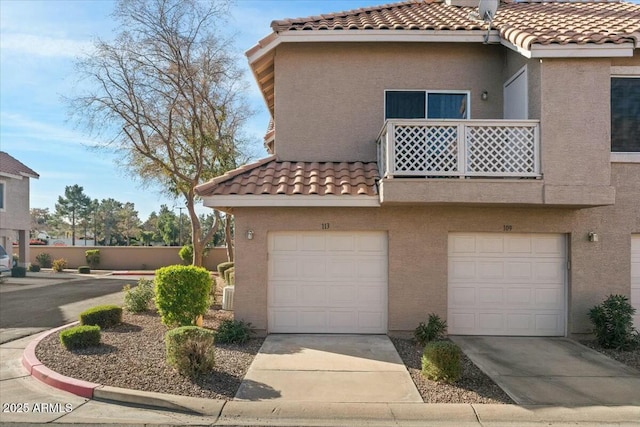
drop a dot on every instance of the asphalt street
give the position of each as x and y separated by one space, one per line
26 309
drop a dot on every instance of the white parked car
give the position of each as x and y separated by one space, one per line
5 261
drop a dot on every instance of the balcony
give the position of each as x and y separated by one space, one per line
476 162
460 149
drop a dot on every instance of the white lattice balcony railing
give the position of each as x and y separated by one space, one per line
459 148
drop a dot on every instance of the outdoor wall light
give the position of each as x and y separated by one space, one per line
249 234
593 237
484 95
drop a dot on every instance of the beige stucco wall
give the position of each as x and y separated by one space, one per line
15 216
126 257
418 249
330 97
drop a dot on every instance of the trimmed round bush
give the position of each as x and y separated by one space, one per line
441 361
104 316
34 268
138 299
182 294
223 266
81 336
84 269
190 350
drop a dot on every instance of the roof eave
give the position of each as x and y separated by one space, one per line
238 201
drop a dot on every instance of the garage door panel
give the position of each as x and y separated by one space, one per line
506 284
341 243
284 294
374 268
282 268
490 296
311 242
369 296
284 242
335 282
462 269
490 270
550 245
518 245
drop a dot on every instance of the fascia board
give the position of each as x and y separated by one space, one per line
290 201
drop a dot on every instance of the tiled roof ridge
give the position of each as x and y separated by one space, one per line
345 13
13 166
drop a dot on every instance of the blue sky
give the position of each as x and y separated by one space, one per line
38 43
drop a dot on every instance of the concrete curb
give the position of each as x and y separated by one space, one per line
43 374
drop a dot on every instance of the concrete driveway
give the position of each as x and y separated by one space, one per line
552 371
328 368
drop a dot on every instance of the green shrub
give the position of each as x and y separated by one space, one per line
441 361
190 350
44 259
137 300
432 330
232 278
613 323
18 272
186 254
182 293
59 264
93 257
34 268
224 266
227 274
234 331
104 316
84 269
80 337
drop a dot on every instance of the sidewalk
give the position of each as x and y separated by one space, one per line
42 404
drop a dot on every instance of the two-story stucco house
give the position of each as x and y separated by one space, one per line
15 220
425 161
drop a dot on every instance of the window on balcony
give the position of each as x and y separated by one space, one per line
625 114
411 104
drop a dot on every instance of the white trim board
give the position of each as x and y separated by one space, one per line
290 201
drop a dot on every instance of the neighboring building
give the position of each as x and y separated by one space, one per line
15 220
422 162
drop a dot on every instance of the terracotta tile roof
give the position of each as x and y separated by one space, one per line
521 23
11 166
272 177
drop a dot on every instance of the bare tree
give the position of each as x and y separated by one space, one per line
167 96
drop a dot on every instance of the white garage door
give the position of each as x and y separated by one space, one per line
506 284
635 277
328 282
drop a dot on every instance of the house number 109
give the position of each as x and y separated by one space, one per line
507 227
325 225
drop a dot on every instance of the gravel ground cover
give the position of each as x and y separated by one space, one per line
132 355
629 358
472 387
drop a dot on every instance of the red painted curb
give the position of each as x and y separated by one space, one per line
72 385
40 372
